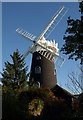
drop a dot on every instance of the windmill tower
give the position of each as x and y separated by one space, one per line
43 68
44 53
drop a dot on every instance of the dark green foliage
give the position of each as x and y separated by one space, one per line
10 106
16 107
15 73
54 108
14 80
74 37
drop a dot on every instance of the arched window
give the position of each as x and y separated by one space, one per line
38 58
37 70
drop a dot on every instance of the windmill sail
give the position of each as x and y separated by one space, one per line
52 24
41 45
25 34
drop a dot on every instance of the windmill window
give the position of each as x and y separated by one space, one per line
38 70
38 58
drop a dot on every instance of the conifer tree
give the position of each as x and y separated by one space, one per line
15 73
74 37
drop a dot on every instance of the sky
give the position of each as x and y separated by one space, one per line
34 17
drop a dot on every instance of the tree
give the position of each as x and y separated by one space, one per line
15 75
74 83
74 37
14 80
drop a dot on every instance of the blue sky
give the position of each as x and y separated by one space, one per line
40 0
33 17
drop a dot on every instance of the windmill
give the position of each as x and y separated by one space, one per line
44 53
